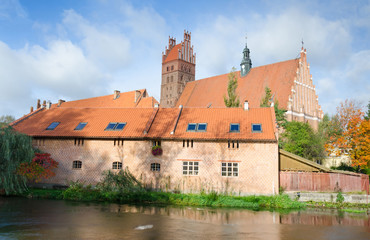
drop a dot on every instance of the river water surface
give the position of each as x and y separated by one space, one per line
22 218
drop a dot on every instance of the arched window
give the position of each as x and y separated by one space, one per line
172 67
77 165
117 165
155 167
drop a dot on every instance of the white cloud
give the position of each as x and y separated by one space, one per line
108 49
8 8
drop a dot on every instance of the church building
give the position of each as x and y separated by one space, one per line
290 83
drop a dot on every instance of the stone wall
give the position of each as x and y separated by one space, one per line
257 171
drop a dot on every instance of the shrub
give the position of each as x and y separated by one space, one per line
340 197
121 182
41 167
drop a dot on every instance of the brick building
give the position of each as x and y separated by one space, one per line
226 150
178 68
290 82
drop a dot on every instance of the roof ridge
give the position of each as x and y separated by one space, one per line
150 121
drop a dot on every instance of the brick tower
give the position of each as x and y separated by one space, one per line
178 68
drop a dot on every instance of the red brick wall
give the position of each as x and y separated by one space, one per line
258 164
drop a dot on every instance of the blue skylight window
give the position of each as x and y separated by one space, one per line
202 127
256 127
197 127
81 126
52 126
234 127
192 127
110 126
114 126
120 126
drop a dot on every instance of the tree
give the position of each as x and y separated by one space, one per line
41 167
265 101
354 135
15 148
300 139
233 99
367 116
279 113
5 120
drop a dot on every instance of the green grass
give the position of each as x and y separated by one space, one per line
82 193
338 205
353 211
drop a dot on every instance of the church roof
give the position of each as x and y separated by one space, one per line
173 54
209 92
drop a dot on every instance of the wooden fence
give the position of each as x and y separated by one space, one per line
324 182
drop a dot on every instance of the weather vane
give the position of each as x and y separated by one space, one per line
302 43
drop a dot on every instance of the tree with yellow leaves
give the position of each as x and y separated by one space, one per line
354 137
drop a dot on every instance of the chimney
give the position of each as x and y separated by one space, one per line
246 105
48 105
272 104
38 104
31 109
116 94
60 101
156 105
44 103
137 95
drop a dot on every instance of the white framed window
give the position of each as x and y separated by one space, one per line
229 169
155 167
77 165
190 168
117 165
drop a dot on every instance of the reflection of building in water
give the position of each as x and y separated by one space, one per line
326 218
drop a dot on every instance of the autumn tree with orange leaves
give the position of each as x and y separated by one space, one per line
354 137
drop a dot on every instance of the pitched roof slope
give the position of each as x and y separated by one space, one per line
130 99
279 77
162 123
218 123
173 54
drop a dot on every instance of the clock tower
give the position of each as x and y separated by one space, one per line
178 68
246 63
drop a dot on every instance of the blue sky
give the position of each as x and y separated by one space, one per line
69 49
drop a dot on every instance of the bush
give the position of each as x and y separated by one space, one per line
121 182
340 197
78 192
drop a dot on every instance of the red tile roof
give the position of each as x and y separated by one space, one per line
159 123
173 54
218 123
279 77
125 100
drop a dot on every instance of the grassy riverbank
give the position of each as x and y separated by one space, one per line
343 206
88 194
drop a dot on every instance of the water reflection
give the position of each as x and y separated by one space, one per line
47 219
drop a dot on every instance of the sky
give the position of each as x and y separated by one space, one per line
70 50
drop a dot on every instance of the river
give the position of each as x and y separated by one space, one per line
22 218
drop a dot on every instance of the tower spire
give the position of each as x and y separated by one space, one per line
246 63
